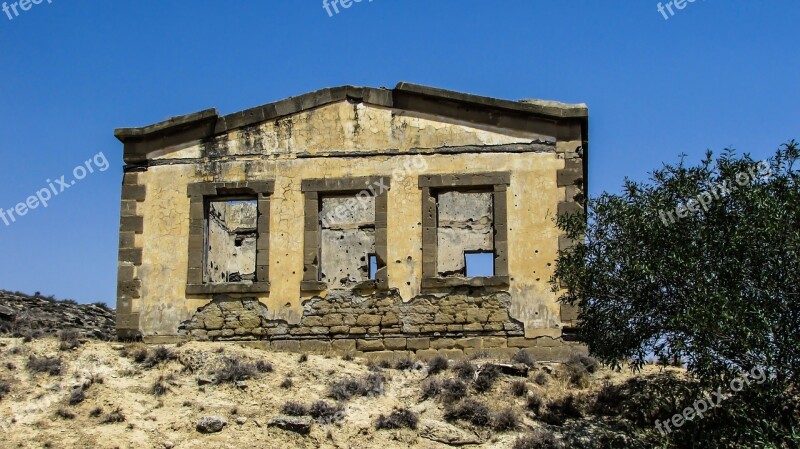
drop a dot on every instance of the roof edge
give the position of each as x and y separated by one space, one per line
204 124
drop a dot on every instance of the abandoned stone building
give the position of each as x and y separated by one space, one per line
390 222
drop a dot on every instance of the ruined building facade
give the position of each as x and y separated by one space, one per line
403 221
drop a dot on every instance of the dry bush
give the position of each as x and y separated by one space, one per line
486 379
160 387
96 412
534 402
524 357
579 369
5 388
538 439
465 370
292 408
557 412
326 413
431 388
371 385
519 388
505 420
264 367
159 355
541 378
234 370
64 414
404 364
436 365
303 358
114 417
69 339
469 410
287 383
51 366
398 419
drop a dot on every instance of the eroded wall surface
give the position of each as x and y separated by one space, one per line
347 140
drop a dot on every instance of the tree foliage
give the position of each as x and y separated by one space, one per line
700 264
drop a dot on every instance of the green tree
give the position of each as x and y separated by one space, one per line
700 264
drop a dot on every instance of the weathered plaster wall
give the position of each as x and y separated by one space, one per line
290 150
464 224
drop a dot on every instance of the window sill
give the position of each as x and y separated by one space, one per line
490 281
248 287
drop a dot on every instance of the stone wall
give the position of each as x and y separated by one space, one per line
459 324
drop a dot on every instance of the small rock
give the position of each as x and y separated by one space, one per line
168 445
211 424
241 420
242 385
204 380
118 348
442 432
297 424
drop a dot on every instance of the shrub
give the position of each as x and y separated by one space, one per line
51 366
538 439
404 364
96 412
263 367
479 355
347 357
287 383
453 390
464 370
292 408
469 410
398 419
64 414
577 373
384 364
524 357
345 389
326 413
519 388
159 355
505 420
5 388
590 364
234 370
534 402
486 379
140 355
160 387
541 378
69 339
303 358
114 417
640 268
77 396
431 388
563 408
436 365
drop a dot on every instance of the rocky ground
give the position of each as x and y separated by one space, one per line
79 393
38 316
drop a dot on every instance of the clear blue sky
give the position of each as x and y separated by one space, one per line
719 73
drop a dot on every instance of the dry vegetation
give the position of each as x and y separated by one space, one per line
107 395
